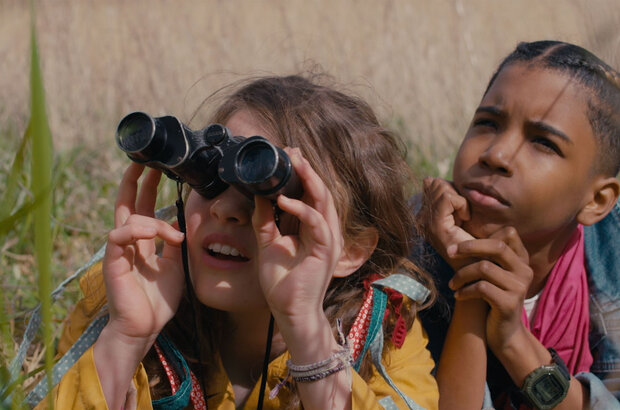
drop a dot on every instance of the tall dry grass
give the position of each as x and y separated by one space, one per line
422 63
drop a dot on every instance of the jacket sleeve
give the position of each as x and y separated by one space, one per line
80 388
600 398
409 368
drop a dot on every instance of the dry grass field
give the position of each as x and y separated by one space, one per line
422 64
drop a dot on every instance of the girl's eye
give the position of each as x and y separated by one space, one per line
547 145
485 122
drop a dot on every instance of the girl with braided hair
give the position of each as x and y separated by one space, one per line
526 239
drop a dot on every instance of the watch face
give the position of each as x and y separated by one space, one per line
548 389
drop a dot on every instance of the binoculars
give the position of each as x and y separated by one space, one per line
209 160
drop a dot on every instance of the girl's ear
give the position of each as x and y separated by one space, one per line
355 254
605 195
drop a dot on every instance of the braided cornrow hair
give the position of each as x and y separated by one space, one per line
601 81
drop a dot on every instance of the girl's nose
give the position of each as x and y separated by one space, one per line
231 206
500 155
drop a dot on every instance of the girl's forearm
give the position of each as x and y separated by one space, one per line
309 340
461 372
116 359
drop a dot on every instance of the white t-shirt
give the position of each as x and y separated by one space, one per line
530 306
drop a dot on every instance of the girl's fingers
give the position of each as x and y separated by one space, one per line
460 207
142 227
510 237
263 222
315 211
494 250
484 271
493 295
147 197
126 198
319 230
315 189
446 199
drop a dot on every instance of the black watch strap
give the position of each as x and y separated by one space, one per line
555 358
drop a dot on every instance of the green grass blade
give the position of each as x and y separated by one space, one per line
41 171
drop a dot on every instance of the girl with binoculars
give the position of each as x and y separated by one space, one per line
332 272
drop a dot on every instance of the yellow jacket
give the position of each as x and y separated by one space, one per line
409 367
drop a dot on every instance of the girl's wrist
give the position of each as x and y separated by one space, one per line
134 345
309 338
117 357
521 354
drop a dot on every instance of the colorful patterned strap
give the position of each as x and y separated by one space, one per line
359 329
373 334
370 317
404 284
183 388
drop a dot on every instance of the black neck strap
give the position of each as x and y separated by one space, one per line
193 307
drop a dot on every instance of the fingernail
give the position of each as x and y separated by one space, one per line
451 284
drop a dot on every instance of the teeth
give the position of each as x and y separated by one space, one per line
224 249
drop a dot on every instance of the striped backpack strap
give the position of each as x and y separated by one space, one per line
72 355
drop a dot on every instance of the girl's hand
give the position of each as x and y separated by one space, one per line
142 287
442 213
296 268
502 277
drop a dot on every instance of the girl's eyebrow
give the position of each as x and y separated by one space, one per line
491 110
551 130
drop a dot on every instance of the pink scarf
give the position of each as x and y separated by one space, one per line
562 317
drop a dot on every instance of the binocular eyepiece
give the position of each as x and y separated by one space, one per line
209 160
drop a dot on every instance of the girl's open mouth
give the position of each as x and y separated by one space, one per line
225 252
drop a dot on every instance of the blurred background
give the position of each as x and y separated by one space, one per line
421 64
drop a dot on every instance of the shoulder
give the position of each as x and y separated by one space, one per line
603 253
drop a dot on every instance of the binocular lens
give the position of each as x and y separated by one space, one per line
256 162
209 160
260 168
135 133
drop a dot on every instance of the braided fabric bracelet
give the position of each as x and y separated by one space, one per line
299 369
319 370
341 360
